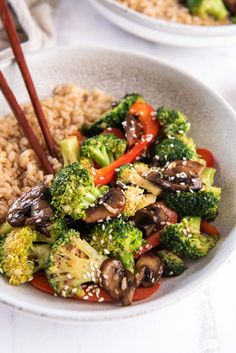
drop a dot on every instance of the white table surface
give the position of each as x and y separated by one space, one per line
204 322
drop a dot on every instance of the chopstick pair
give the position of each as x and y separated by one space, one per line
10 29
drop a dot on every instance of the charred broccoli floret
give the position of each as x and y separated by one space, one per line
170 150
136 199
173 264
184 238
113 117
127 174
205 8
103 149
72 262
55 230
174 123
73 191
203 203
117 238
70 150
20 256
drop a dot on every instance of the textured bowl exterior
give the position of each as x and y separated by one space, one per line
213 126
166 32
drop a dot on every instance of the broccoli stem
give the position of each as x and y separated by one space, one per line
208 175
70 150
40 253
5 228
194 224
127 260
101 156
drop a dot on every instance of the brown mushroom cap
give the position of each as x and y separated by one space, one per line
31 208
132 130
110 205
154 217
118 282
149 270
178 176
231 5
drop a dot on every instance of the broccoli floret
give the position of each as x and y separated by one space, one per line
136 199
72 262
203 203
20 256
127 174
103 149
170 150
73 191
117 238
141 167
113 117
70 150
5 228
205 8
173 122
173 264
55 230
184 238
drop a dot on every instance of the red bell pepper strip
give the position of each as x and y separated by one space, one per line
209 228
40 282
150 127
207 156
152 241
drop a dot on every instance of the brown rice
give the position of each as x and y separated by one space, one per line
68 108
170 10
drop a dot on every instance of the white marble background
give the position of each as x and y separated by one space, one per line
204 322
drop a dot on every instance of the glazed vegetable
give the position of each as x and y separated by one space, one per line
136 199
55 230
205 8
113 117
103 149
73 191
207 156
170 150
150 127
127 174
173 264
203 203
117 237
72 262
20 256
31 208
208 176
70 150
185 238
173 122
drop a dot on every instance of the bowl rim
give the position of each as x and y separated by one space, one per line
164 24
115 314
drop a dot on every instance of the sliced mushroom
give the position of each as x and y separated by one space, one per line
154 217
149 270
179 175
31 208
231 5
110 205
132 130
118 282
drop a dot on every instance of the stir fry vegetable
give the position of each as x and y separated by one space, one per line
129 204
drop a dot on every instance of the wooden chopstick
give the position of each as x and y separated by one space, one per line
29 134
20 59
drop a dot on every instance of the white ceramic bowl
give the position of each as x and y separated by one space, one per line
165 32
213 126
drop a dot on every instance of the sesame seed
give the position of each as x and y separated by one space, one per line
74 290
69 276
124 283
100 299
86 297
106 251
90 294
171 273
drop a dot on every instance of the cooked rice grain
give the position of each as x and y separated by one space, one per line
66 111
170 10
